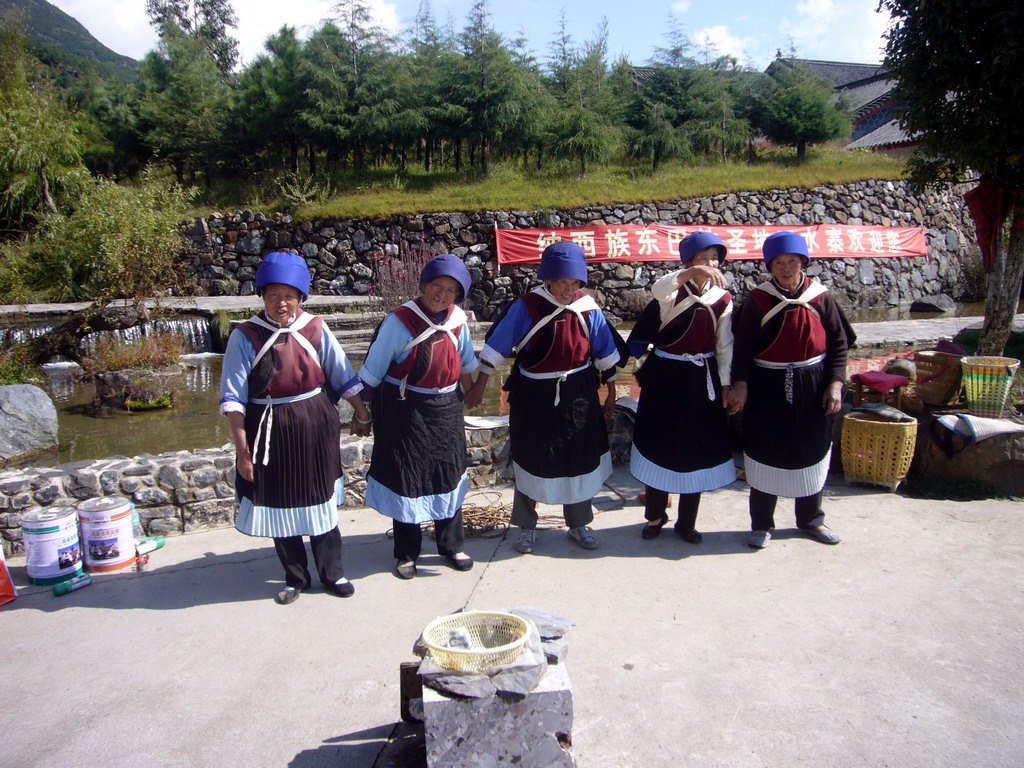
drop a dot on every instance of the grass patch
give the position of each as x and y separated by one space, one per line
383 191
148 353
15 370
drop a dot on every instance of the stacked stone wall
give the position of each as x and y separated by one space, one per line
226 250
189 491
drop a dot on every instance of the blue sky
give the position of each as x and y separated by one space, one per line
750 30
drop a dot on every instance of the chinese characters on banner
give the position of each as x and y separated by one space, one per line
660 242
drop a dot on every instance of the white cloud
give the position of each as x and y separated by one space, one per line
123 26
681 6
847 31
259 19
721 42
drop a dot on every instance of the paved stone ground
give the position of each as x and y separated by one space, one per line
899 647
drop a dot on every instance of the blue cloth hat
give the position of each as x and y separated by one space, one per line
286 268
784 242
695 242
563 259
447 265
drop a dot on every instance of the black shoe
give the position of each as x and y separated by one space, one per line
342 589
287 596
464 563
652 529
690 537
406 569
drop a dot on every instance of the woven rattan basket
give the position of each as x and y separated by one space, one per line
876 451
494 639
987 382
938 377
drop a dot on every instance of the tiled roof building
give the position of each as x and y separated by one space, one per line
867 91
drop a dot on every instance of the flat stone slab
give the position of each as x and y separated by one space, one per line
533 732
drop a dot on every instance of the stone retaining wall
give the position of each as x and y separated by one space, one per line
227 249
188 491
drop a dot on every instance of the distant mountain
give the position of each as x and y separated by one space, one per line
49 27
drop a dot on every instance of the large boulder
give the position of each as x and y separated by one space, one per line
28 423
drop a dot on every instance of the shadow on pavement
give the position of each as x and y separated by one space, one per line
395 745
240 576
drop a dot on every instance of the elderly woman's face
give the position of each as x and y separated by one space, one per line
787 269
440 293
706 258
563 288
281 302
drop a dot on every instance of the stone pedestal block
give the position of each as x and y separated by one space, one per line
534 732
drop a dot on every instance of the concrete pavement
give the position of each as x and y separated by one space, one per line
899 647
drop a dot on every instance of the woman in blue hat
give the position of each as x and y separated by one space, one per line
681 436
564 350
417 368
278 369
788 369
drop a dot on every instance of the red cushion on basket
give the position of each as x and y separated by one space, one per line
879 381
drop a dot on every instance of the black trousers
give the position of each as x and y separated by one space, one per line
449 533
656 502
291 550
524 512
762 510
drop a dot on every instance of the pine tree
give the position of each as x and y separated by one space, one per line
204 20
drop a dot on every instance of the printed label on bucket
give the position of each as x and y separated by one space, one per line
109 539
52 550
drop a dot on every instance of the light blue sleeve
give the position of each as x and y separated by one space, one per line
337 368
235 369
387 348
603 350
509 332
466 355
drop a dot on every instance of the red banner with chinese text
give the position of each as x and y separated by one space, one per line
660 242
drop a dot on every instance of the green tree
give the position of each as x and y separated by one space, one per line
270 98
489 86
958 80
715 123
40 163
432 68
652 136
582 126
205 20
345 64
113 141
579 136
797 109
184 104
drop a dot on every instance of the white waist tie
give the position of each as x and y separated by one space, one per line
560 375
697 360
268 418
788 368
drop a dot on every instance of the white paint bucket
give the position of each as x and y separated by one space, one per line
107 537
52 551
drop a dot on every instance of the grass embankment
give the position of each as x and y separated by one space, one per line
382 193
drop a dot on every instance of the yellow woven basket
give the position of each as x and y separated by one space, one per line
876 451
987 381
938 377
495 638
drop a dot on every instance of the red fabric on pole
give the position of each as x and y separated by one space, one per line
989 204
